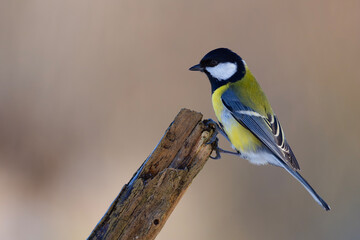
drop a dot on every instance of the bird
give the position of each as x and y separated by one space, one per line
245 116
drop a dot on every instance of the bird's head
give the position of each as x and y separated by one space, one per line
221 66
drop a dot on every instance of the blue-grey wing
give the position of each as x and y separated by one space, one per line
266 131
266 128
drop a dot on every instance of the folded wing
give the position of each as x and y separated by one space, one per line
266 128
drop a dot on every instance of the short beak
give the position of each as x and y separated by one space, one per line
197 68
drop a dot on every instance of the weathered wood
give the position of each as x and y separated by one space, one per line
145 203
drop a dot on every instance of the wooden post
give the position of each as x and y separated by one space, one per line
145 203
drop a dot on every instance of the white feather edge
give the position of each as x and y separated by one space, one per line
250 113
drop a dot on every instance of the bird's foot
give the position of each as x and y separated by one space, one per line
215 127
216 149
219 150
214 140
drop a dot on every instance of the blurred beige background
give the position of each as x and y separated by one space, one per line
87 88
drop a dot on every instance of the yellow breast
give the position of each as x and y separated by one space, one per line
241 138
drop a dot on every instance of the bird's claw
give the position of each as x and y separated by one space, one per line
213 140
216 149
215 127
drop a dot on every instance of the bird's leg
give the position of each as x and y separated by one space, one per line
214 140
237 153
219 150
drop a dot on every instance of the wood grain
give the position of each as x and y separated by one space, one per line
145 203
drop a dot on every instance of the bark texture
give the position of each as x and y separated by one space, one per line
145 203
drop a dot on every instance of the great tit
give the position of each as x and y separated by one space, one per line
245 116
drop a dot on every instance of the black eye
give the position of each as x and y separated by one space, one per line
213 63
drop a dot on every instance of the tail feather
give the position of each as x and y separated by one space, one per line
306 185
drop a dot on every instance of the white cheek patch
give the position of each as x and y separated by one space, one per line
222 71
